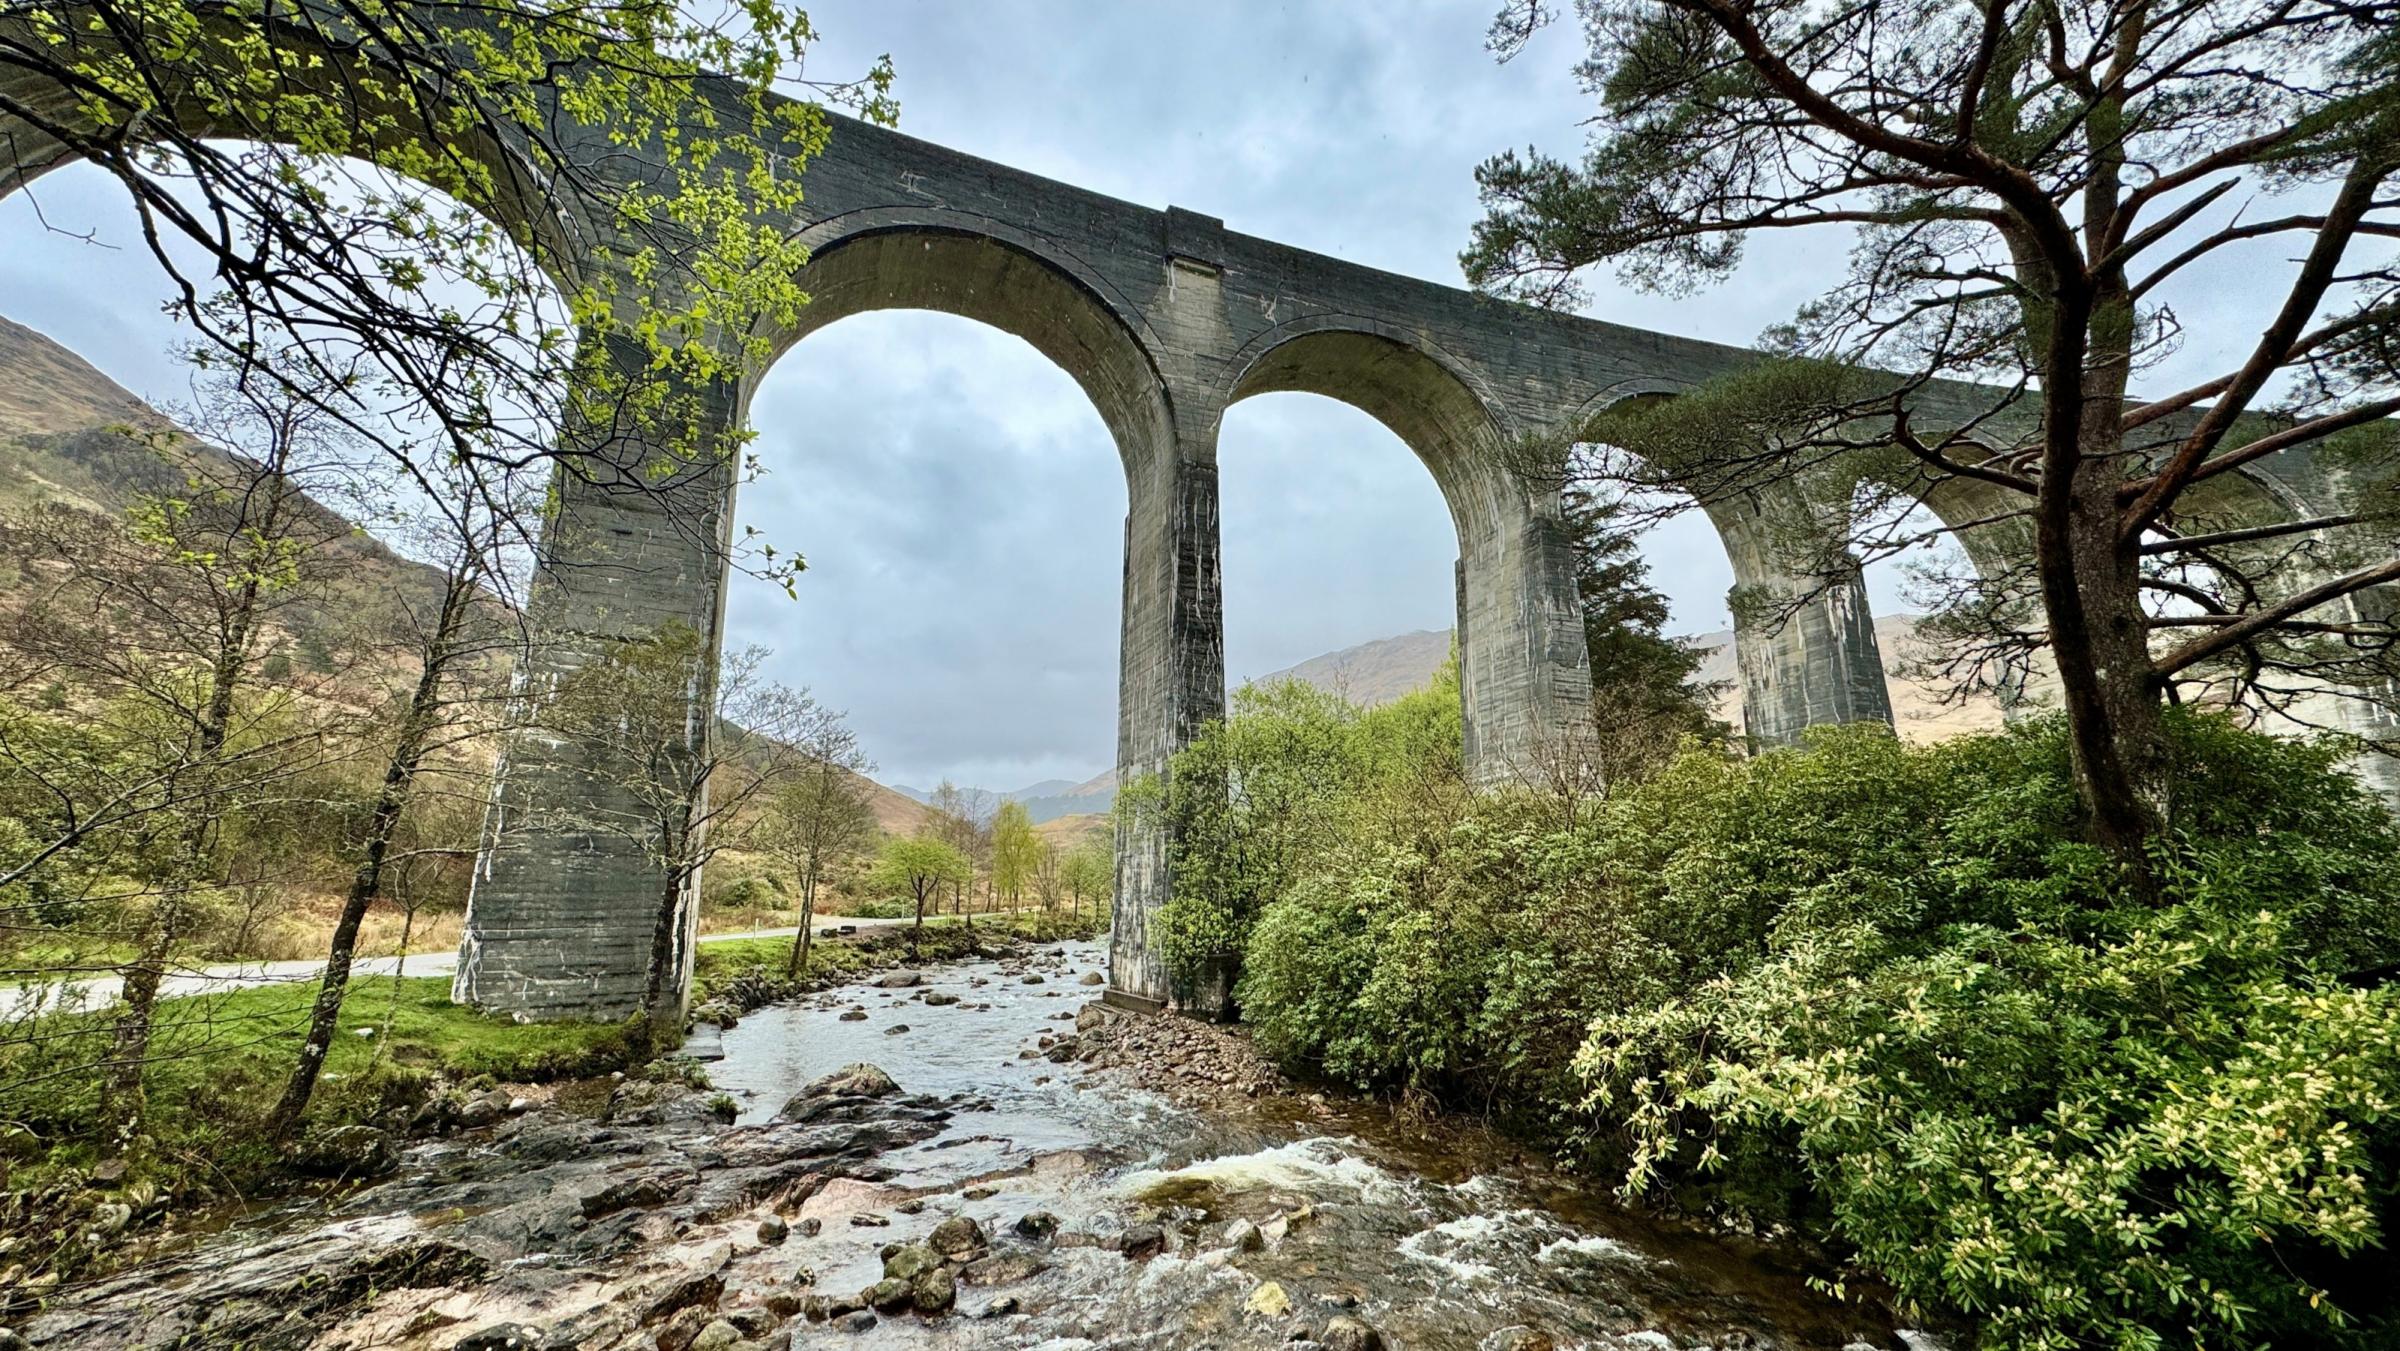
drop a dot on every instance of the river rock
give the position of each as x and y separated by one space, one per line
109 1219
887 1295
843 1095
1268 1301
895 1029
957 1238
718 1336
900 980
998 1308
856 1321
772 1230
483 1109
1243 1236
1032 979
1037 1224
1094 978
853 1015
1350 1334
1139 1242
908 1261
935 1291
347 1151
681 1331
936 999
700 1292
498 1337
1006 1267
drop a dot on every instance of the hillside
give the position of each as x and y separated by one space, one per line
72 436
1380 671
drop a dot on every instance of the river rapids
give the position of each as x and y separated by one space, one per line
1104 1215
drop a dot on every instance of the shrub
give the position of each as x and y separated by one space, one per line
1890 993
2085 1111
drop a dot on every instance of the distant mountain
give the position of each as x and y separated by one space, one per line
1045 801
1374 673
1378 672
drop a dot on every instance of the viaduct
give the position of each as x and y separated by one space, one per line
1165 319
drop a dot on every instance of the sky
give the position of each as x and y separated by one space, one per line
958 501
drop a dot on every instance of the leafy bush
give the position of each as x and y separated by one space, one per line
1889 993
872 908
1293 780
2087 1111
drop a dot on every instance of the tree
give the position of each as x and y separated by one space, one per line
163 622
447 638
676 781
405 195
2023 184
1088 870
920 865
1016 851
1049 874
821 815
962 818
1645 699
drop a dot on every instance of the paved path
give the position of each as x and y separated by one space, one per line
101 990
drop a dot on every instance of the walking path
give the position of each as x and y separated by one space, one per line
98 991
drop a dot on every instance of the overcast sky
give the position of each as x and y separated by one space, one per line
958 501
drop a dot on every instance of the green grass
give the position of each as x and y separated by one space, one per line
220 1062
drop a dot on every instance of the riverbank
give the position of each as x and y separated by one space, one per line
406 1065
1012 1175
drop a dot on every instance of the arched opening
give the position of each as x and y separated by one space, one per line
1340 557
1522 676
957 498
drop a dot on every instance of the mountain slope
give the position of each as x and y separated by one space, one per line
70 435
1377 672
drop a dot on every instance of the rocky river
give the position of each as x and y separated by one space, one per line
975 1155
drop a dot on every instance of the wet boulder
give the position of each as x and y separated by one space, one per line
773 1230
1350 1334
841 1095
853 1016
483 1109
1243 1236
1005 1267
958 1238
907 1261
1137 1243
888 1295
1094 978
899 980
718 1336
935 1291
1037 1224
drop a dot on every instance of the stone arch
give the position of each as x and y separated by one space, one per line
527 202
1804 634
977 268
1525 684
1437 406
